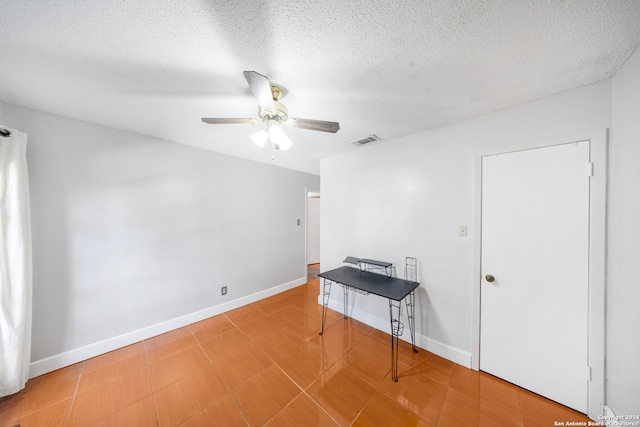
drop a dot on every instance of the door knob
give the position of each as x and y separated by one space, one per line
489 278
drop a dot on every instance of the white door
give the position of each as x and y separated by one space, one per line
535 244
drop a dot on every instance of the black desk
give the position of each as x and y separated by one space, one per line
366 282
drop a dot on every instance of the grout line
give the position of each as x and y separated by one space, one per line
321 407
446 394
75 393
228 391
153 394
285 406
273 362
365 405
303 391
520 407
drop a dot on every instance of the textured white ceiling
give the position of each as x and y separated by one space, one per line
392 68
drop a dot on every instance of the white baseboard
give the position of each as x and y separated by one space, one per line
609 418
433 346
61 360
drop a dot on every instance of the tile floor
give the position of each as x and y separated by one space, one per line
265 364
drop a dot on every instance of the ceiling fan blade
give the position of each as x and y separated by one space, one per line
224 121
261 89
320 125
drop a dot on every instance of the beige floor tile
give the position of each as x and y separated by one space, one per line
370 360
211 321
341 393
338 338
177 366
112 357
110 372
100 402
241 310
243 318
222 412
382 411
188 396
160 352
418 393
51 416
272 306
280 343
209 328
139 414
463 409
305 364
536 410
487 391
221 346
303 411
35 398
61 375
264 395
423 361
258 329
167 338
241 365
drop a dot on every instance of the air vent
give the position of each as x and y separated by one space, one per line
365 140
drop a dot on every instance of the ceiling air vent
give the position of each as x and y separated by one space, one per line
365 140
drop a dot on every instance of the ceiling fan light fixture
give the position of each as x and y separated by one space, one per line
279 138
260 137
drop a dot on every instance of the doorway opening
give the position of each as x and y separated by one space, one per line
312 233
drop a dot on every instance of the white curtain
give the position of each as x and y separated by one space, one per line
15 263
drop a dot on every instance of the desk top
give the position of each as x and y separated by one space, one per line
378 284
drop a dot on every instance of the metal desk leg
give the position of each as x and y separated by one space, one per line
410 301
346 301
396 330
326 291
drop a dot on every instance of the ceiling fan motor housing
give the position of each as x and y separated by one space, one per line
280 114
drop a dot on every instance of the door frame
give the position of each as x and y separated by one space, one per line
597 256
307 190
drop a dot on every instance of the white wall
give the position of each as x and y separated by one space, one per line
407 197
134 236
623 296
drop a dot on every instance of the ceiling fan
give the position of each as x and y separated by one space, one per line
273 113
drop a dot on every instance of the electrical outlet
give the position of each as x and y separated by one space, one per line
223 290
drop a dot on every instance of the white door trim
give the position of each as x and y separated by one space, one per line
307 190
597 256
